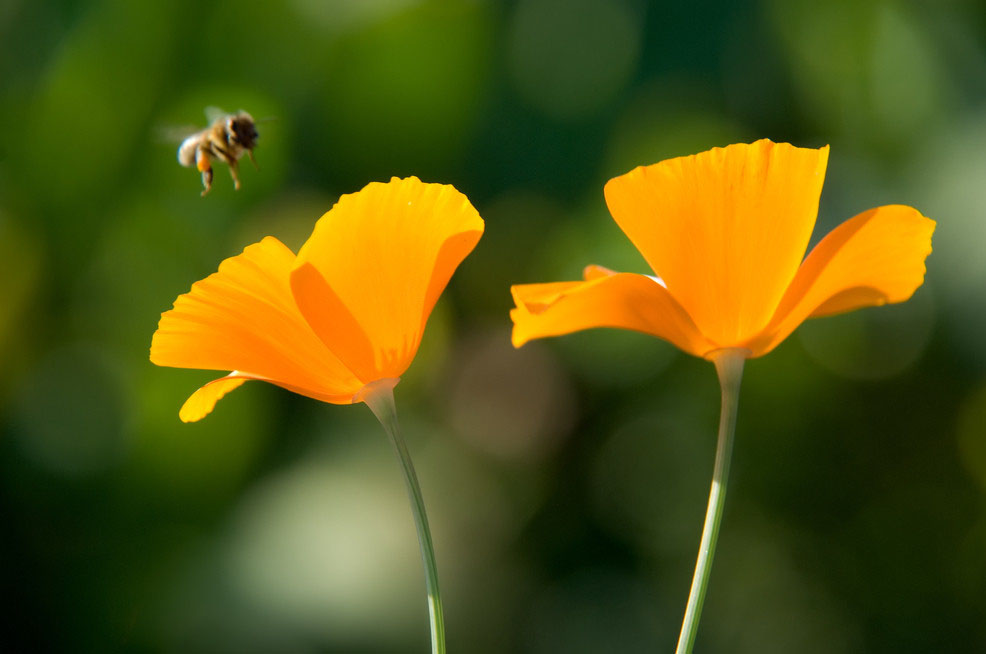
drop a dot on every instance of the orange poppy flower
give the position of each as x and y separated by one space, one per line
725 231
347 311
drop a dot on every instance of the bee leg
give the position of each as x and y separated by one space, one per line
250 152
204 163
233 173
206 181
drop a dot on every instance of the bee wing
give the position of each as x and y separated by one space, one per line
171 134
213 113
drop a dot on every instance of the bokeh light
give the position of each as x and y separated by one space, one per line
509 403
318 546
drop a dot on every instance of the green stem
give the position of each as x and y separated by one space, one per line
379 396
729 366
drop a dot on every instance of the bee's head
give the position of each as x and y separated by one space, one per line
242 129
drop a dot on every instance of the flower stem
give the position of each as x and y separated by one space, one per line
729 366
379 396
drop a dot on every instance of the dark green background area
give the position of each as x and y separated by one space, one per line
566 481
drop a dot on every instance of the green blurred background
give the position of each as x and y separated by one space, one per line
566 481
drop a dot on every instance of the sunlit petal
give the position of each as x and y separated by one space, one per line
606 299
725 229
369 276
243 318
202 401
875 258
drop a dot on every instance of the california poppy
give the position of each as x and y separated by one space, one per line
340 322
725 232
348 310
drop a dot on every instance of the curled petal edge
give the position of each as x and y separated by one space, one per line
201 403
875 258
604 299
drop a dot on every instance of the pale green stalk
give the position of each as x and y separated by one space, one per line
379 396
729 366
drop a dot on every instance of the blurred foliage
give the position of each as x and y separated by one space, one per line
567 480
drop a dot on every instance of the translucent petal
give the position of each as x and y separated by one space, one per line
725 229
874 258
243 318
606 299
202 401
371 272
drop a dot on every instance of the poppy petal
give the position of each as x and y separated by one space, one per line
606 299
371 272
202 401
874 258
725 229
243 318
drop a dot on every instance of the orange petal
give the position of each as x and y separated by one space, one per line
202 401
607 299
875 258
371 272
725 229
244 318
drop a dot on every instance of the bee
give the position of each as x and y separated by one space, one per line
226 139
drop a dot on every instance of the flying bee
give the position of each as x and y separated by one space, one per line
226 139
